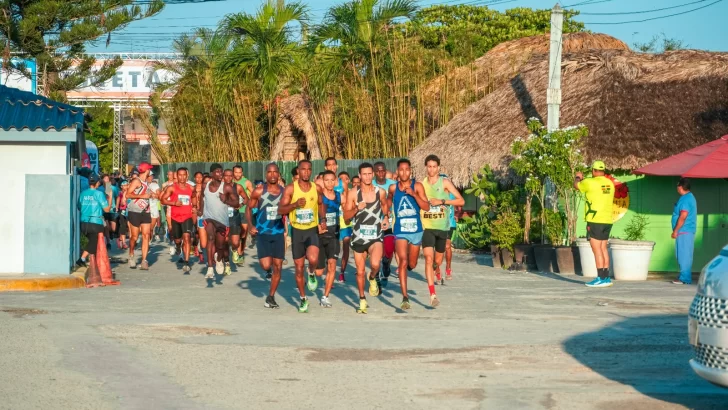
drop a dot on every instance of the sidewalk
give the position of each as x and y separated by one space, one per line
42 283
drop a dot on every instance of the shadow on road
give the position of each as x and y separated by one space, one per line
555 276
650 354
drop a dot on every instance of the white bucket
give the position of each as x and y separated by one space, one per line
588 263
631 259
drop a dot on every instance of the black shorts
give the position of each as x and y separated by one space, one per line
243 218
435 238
111 216
137 219
329 249
363 247
301 239
271 246
597 231
219 227
123 226
235 222
181 228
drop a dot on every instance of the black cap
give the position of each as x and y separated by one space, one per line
93 178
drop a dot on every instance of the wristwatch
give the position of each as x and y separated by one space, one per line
443 201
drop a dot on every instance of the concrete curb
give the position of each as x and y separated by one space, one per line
38 283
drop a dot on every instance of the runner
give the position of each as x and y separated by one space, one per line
344 229
213 207
154 204
200 183
355 182
367 208
244 187
178 198
123 221
92 204
111 216
329 239
236 215
168 213
448 245
139 214
384 182
302 201
269 229
407 198
436 220
294 174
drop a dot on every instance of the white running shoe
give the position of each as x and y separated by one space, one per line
324 302
210 273
219 267
172 250
132 262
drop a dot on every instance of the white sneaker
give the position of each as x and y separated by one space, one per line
156 238
324 302
172 250
219 267
132 262
210 273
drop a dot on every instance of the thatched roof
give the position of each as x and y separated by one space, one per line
294 128
639 108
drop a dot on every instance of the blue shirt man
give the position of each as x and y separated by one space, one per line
92 203
684 227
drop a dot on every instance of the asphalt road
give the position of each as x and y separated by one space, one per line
164 340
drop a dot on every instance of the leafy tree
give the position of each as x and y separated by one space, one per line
55 34
102 134
467 32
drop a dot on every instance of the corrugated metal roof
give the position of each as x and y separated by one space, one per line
22 109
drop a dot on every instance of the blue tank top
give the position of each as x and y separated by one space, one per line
453 222
332 215
267 219
406 211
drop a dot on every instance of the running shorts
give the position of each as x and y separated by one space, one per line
329 249
345 233
110 216
137 219
217 226
271 246
235 222
181 228
412 238
363 248
243 218
123 226
435 238
301 239
598 231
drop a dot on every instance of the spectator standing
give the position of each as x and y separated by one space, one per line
684 227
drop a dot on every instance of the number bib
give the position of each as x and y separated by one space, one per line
408 225
331 219
304 216
271 213
435 212
231 212
184 199
368 232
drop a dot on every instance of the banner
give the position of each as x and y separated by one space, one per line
15 79
92 152
134 80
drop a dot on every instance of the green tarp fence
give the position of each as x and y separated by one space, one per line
256 170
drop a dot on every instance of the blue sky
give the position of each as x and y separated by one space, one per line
705 29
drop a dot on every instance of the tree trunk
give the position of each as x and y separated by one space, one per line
527 219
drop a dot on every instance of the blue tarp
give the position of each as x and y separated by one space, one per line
22 109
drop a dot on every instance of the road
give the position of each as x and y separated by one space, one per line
499 340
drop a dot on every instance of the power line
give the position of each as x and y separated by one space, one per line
654 18
642 11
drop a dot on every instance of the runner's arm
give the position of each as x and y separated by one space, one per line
166 195
252 202
421 196
385 204
390 196
321 205
132 187
200 203
350 208
242 194
450 188
231 197
285 206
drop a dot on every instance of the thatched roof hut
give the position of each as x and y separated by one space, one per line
639 108
296 137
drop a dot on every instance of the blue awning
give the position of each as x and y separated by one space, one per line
24 110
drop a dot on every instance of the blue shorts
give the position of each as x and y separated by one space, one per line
345 233
412 238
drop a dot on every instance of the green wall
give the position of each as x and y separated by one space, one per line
655 197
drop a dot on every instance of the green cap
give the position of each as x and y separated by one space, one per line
599 165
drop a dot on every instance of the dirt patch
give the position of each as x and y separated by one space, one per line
334 355
189 330
643 307
475 395
22 312
548 402
161 332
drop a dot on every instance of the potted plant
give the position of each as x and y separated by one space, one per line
631 256
477 232
505 232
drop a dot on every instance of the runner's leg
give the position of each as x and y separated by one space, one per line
330 274
360 260
402 246
345 246
146 236
300 279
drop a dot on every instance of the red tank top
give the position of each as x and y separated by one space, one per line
184 195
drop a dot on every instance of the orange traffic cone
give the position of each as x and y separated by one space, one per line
107 277
93 280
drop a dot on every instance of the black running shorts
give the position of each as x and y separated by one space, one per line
363 248
137 219
181 228
301 239
234 222
271 246
435 238
123 226
597 231
329 249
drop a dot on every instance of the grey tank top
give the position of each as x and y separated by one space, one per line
215 209
139 205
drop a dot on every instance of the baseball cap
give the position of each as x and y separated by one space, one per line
93 178
144 167
599 165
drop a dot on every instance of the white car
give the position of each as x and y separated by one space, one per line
708 322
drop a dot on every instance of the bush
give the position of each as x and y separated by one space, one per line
506 230
635 230
475 230
554 227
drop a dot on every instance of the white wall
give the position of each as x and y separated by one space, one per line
17 160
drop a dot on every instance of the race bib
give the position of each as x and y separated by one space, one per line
271 213
231 212
304 216
331 219
368 232
408 225
184 199
435 212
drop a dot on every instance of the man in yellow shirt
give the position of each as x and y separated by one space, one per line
599 193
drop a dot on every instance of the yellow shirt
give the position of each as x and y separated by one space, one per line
599 192
306 217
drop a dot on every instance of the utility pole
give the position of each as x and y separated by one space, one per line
553 94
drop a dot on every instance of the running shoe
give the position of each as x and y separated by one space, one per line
303 308
312 283
219 267
187 268
373 286
362 306
236 257
145 265
405 305
82 263
601 283
210 273
132 262
241 261
594 283
324 302
227 270
156 238
268 274
434 301
172 250
340 279
448 274
270 302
